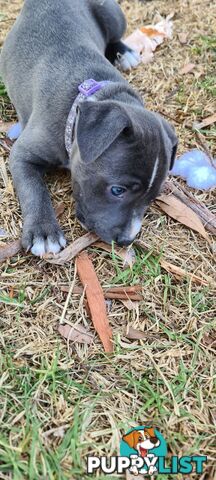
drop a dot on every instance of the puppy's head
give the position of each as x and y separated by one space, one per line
121 157
142 440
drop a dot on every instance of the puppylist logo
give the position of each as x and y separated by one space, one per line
142 452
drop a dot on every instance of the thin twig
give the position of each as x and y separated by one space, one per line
68 297
205 148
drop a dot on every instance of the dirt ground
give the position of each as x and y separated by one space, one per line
60 402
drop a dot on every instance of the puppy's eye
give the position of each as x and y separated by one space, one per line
118 191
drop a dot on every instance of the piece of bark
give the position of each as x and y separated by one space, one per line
75 333
95 298
9 250
206 216
174 207
72 250
118 293
129 290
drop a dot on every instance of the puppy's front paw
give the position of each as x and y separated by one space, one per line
43 238
128 60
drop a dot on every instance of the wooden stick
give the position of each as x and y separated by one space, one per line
118 293
205 148
96 301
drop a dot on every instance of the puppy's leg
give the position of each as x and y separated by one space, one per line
122 56
41 232
113 24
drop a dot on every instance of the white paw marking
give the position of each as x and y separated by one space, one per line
128 60
40 247
52 247
62 241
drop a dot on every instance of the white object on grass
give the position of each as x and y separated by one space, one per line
194 167
14 131
146 39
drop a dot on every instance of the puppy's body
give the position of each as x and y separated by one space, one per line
52 48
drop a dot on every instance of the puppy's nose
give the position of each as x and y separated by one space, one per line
123 241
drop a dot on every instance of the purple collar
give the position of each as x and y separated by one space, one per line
86 89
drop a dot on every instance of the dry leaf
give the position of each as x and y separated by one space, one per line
95 298
209 339
146 39
200 71
77 333
205 123
59 209
187 68
72 250
183 38
181 273
126 254
129 304
180 212
134 334
207 217
9 250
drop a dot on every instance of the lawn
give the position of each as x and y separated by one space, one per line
59 401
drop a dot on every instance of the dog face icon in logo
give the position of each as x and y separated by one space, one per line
142 440
146 443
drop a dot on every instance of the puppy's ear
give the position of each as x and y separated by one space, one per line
170 132
99 125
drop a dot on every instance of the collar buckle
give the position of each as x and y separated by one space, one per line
90 86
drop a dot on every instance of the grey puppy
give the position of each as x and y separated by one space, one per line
121 152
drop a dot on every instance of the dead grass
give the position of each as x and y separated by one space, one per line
58 404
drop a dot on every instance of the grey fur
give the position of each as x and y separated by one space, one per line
53 47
